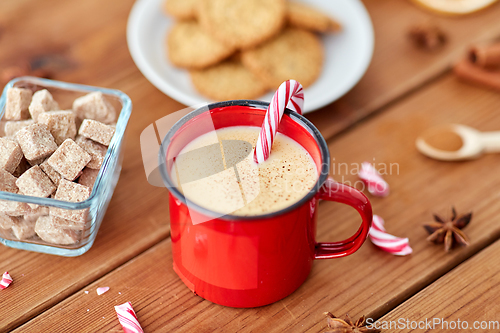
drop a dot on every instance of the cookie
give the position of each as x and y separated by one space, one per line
242 23
180 9
189 46
227 80
294 54
302 16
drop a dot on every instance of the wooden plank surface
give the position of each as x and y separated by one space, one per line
398 67
95 51
370 281
467 298
137 218
58 40
128 228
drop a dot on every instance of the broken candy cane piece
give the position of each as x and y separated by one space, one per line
6 280
128 318
102 290
375 184
389 243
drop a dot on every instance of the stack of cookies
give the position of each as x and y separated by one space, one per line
240 49
49 153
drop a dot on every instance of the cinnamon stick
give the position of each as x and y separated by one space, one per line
485 55
470 72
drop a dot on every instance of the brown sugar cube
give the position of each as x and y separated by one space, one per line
95 150
36 213
36 162
49 171
42 101
67 224
11 138
51 233
11 127
88 177
7 182
23 166
94 106
69 159
23 229
14 208
41 210
10 155
8 207
6 233
7 222
96 131
72 192
18 101
36 183
36 142
61 124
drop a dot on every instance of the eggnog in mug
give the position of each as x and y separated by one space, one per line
217 171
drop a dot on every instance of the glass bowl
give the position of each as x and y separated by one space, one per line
95 206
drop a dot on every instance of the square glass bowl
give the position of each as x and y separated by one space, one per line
95 206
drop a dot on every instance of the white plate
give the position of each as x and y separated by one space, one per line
347 54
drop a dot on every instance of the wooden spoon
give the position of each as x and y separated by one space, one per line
457 142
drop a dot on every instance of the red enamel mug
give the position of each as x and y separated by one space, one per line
250 261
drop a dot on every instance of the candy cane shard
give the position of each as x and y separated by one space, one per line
389 243
128 318
101 290
374 182
6 280
289 94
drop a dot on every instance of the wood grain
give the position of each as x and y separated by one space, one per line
370 281
95 51
137 218
56 38
469 293
398 68
92 52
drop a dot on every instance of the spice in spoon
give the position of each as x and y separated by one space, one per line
443 138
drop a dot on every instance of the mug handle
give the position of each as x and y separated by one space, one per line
333 191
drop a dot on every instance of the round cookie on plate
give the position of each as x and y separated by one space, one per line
227 80
242 23
189 46
180 9
295 53
302 16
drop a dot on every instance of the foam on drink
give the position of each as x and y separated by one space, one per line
217 172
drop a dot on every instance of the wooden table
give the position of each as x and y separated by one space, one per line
404 92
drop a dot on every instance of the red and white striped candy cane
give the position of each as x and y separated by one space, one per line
101 290
289 94
128 318
389 243
375 184
6 280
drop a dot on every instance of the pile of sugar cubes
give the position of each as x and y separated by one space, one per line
43 155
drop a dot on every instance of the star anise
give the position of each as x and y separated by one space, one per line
448 232
427 36
346 325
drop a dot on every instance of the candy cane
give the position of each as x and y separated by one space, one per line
389 243
128 319
370 176
6 280
101 290
290 95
